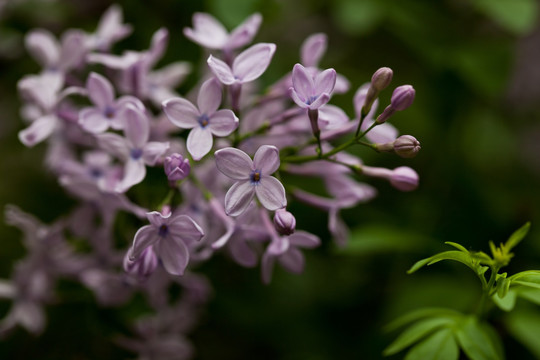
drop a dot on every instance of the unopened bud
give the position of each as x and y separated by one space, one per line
406 146
284 222
404 178
176 167
402 97
382 78
142 267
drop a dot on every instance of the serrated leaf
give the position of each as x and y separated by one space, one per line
475 341
525 327
416 332
464 258
419 314
507 302
517 236
439 346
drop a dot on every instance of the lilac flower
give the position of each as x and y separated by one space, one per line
110 30
209 33
252 177
402 178
134 149
285 250
167 234
56 58
309 92
204 119
246 67
107 110
284 222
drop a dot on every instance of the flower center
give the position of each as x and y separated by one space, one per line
311 99
255 176
163 230
109 112
136 154
96 173
203 120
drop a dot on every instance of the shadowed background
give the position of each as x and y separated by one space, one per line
474 65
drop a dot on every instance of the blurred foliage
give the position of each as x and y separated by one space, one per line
478 180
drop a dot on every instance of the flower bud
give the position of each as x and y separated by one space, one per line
404 178
382 78
284 222
402 97
176 167
142 267
406 146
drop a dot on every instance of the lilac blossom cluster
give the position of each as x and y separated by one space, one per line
225 180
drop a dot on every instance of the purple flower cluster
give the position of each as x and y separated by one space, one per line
224 181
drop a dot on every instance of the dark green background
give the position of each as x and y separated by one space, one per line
474 65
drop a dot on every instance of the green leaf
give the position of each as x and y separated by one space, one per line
477 341
419 314
439 346
529 275
416 332
457 246
531 294
525 327
518 16
464 258
507 302
517 236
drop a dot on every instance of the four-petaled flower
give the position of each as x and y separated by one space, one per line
167 235
205 120
246 67
253 177
107 111
310 92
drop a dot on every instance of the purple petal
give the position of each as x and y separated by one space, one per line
207 31
223 122
321 100
134 173
342 84
93 120
181 113
332 117
239 197
381 134
110 28
183 227
244 33
234 163
157 219
171 75
43 47
325 81
158 45
38 131
153 150
100 90
114 144
266 159
146 236
174 255
267 266
337 227
302 83
313 49
297 99
137 126
73 48
221 70
271 193
199 142
293 261
243 253
278 246
252 63
304 239
209 97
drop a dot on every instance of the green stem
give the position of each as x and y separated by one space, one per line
487 291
